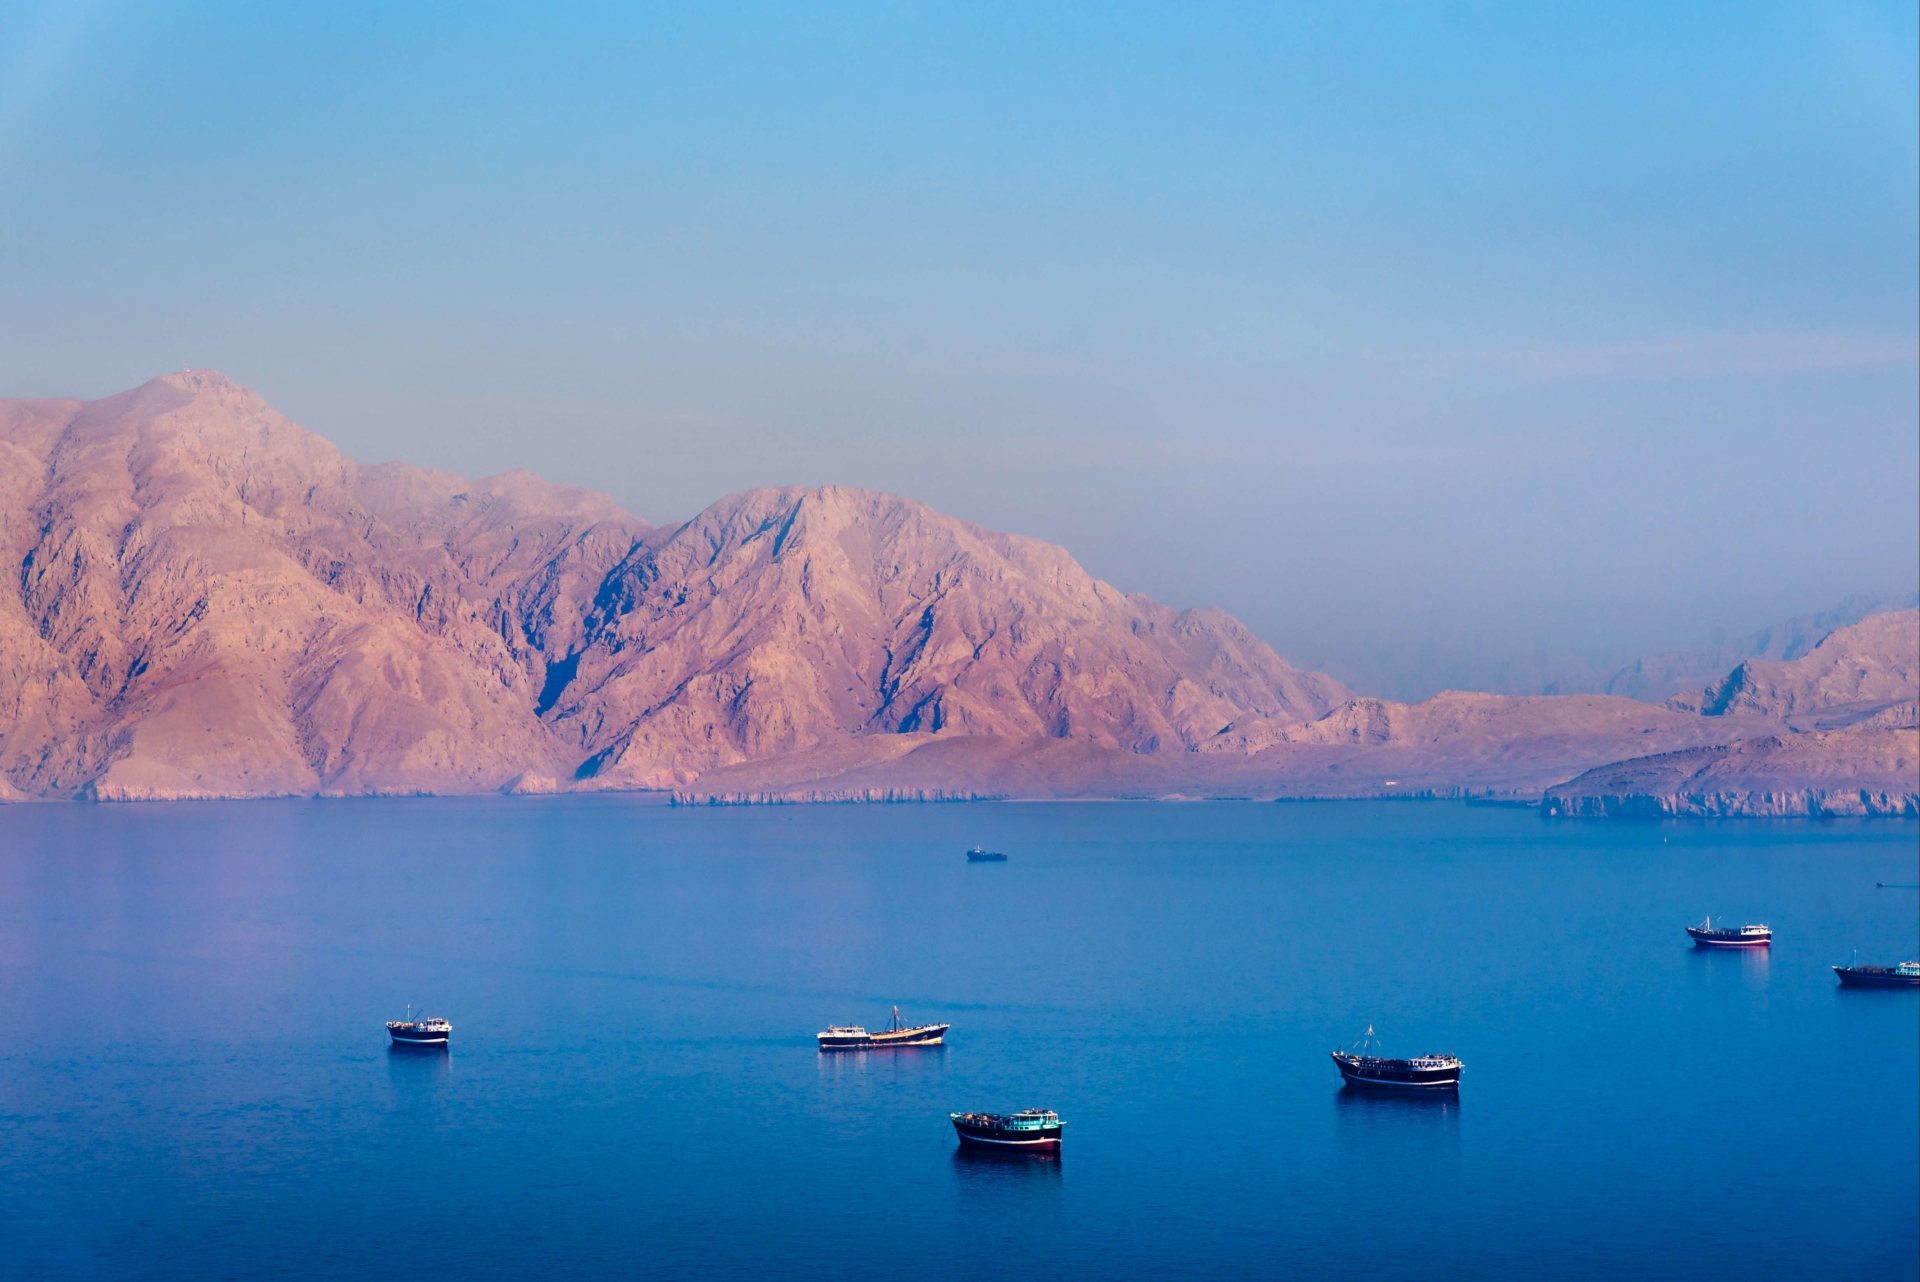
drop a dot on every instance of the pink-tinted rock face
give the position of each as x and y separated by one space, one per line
1862 770
211 601
787 620
1868 671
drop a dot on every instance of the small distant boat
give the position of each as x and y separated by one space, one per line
852 1037
424 1031
1030 1128
1708 935
1366 1068
979 856
1905 975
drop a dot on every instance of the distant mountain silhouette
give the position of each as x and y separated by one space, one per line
1837 737
1658 677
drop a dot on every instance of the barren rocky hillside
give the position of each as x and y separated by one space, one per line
1868 671
212 601
208 600
781 621
1834 732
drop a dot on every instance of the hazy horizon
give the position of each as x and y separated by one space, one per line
1457 339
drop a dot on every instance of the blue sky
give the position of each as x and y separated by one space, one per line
1424 338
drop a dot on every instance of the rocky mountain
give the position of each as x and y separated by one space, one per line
1867 672
1410 667
780 621
1658 677
1836 731
212 601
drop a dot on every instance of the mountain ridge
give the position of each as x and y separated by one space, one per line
212 601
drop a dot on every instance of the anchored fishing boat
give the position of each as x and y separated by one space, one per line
852 1037
1033 1129
979 856
1365 1067
1708 935
424 1031
1854 975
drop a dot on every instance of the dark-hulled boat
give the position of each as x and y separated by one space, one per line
979 856
1905 975
852 1037
1708 935
1031 1129
1366 1068
425 1031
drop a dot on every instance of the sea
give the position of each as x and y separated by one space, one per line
196 1081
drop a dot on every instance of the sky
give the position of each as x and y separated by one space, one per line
1444 344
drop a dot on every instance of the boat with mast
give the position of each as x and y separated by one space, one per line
1854 975
1366 1068
1708 935
896 1035
424 1031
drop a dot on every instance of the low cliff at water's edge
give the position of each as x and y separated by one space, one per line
1861 771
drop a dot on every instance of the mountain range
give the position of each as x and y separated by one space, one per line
211 601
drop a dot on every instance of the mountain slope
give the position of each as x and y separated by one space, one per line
1868 670
1658 677
213 601
784 620
1859 771
1836 735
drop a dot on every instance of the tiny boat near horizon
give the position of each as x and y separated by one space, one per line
1031 1130
425 1031
979 856
852 1037
1854 975
1366 1068
1708 935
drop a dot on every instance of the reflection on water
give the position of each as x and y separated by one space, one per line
418 1073
1747 967
1850 993
1386 1121
1358 1099
902 1063
1032 1180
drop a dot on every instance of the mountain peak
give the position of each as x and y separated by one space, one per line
217 601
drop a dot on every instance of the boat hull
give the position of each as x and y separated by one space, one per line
1727 939
904 1039
1874 977
404 1036
1395 1075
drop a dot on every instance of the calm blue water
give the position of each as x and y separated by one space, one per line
194 1080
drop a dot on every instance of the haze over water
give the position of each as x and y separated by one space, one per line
194 1079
